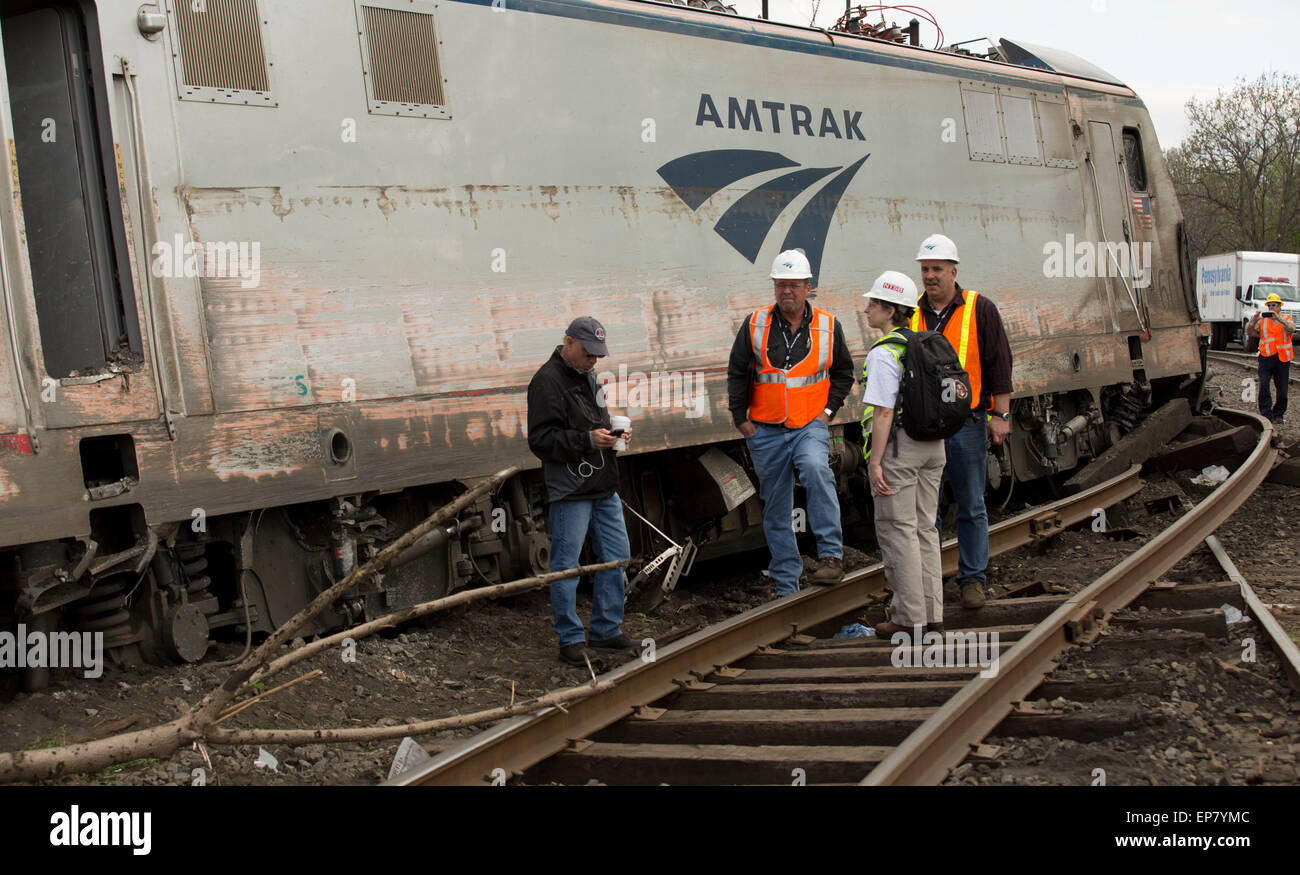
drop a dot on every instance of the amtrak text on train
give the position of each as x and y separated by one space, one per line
751 114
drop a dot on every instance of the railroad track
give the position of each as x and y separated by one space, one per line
744 711
1242 359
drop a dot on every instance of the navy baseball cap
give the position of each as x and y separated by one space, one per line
590 332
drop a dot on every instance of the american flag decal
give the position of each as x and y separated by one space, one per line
1142 204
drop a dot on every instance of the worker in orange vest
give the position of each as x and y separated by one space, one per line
1275 353
789 373
973 326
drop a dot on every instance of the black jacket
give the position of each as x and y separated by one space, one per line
562 411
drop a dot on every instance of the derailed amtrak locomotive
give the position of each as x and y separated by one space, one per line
276 276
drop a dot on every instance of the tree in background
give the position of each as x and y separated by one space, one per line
1237 173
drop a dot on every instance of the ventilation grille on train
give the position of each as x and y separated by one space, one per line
399 51
221 56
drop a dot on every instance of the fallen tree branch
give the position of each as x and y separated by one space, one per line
165 740
248 703
217 700
378 733
422 610
54 762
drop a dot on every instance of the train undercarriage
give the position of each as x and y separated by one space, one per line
162 593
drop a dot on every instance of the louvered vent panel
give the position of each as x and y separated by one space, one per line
403 50
221 46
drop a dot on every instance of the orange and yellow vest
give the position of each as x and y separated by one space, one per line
1273 340
963 336
795 397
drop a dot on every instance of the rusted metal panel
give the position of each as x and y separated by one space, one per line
410 279
110 397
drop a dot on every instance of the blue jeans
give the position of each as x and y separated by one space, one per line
776 451
571 521
1272 368
967 473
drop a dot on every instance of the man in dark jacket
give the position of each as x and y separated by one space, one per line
569 430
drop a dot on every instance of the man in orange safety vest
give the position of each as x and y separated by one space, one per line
1275 353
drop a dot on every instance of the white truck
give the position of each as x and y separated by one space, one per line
1232 287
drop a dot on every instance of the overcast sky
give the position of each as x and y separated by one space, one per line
1166 50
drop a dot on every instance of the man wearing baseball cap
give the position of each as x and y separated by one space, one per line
569 430
1275 353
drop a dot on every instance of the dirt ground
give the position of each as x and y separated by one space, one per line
463 661
1222 719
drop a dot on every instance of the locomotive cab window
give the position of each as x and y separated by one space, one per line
75 234
1137 168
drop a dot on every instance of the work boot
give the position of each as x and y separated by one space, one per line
889 629
830 571
972 595
618 642
573 653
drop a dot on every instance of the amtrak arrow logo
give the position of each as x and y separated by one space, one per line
697 177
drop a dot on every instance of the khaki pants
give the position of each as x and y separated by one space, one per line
909 541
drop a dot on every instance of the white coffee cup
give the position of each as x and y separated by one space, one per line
617 422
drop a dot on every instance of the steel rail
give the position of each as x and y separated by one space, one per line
1245 360
1282 643
943 741
517 744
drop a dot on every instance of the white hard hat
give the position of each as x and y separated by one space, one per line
791 265
894 287
939 248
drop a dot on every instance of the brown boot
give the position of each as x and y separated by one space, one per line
972 595
830 571
889 628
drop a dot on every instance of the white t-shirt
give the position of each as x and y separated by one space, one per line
883 377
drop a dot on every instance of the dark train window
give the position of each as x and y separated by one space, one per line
1137 168
69 191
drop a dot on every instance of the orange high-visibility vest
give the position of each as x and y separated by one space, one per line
795 397
1273 340
963 336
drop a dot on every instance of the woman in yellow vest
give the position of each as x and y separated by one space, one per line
1275 353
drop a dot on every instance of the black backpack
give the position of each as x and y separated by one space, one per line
934 397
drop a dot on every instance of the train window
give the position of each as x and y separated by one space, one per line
983 132
1022 132
75 239
220 55
399 57
1137 168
